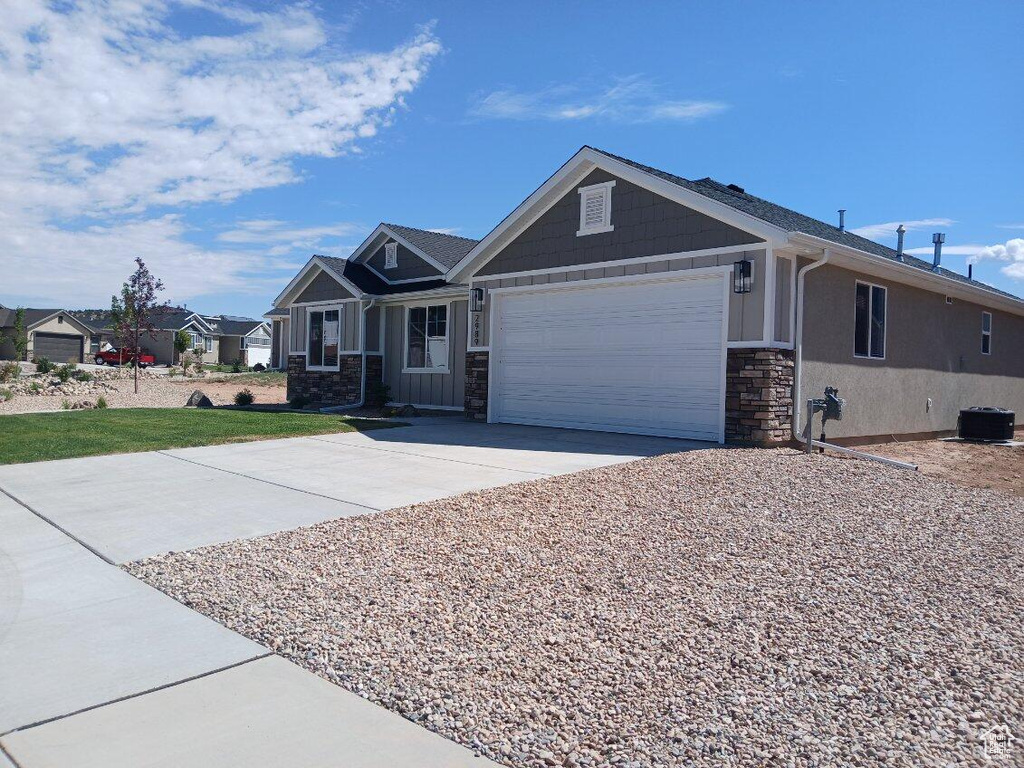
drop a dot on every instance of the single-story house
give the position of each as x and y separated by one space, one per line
55 334
619 297
242 339
224 338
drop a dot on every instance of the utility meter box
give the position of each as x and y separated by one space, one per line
834 405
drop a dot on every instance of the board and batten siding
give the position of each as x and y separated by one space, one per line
410 266
445 390
350 319
783 299
746 310
323 287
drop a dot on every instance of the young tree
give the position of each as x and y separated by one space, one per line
19 339
181 342
132 313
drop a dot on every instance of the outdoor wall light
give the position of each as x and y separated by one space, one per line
476 300
742 272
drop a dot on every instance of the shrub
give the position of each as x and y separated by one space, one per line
83 376
259 368
377 393
239 367
35 386
171 372
65 404
245 397
299 401
6 394
65 372
9 371
101 402
43 365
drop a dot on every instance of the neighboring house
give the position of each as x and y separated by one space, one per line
622 298
223 338
278 318
160 343
55 334
242 339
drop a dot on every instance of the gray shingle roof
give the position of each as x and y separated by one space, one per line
445 249
791 221
235 326
365 280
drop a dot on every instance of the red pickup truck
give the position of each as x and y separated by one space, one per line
119 357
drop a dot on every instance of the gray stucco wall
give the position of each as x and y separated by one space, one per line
438 389
645 224
410 266
746 310
933 350
323 288
230 349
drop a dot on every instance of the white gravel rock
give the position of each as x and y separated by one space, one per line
718 607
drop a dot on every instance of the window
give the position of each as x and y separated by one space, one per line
390 255
596 209
986 333
427 338
324 337
255 341
869 321
208 343
195 339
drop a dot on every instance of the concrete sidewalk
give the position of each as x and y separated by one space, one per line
99 670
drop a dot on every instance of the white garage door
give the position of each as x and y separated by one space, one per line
641 357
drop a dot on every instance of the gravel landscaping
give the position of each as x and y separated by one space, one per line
716 607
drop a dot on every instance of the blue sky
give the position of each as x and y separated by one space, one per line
226 142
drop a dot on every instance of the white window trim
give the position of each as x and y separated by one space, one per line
391 255
885 329
341 334
447 337
606 187
985 333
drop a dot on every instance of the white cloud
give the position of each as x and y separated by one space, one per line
947 250
445 230
1012 252
630 100
110 113
1011 226
888 229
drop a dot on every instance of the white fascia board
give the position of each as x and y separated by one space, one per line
582 163
384 229
300 280
456 292
868 263
299 277
203 324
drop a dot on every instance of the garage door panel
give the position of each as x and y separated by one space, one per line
57 347
633 357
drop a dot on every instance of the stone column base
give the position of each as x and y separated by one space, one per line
341 387
759 396
476 385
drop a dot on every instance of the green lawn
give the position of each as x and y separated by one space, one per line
44 436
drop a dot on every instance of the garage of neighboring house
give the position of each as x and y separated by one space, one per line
58 347
55 335
622 354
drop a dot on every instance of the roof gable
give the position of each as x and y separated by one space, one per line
436 249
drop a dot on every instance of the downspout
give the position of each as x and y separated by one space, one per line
799 341
362 374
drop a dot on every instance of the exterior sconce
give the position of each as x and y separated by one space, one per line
476 300
742 276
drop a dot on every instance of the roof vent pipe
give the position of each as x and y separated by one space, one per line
970 271
938 239
900 231
842 219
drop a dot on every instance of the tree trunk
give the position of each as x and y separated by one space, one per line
136 357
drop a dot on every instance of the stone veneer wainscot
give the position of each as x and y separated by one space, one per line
341 387
476 385
759 396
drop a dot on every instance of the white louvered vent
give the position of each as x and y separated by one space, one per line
596 208
390 255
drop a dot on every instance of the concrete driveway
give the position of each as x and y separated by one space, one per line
98 669
132 506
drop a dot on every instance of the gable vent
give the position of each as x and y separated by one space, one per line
390 255
596 208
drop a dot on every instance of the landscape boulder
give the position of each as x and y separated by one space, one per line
199 400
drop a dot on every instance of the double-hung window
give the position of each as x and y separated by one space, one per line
324 337
195 339
427 338
869 321
986 333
